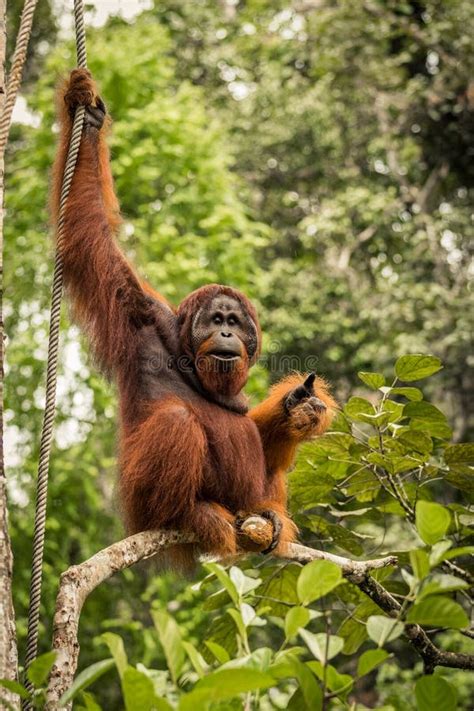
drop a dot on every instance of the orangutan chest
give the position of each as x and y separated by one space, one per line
235 471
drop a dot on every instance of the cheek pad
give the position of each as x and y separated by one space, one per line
250 337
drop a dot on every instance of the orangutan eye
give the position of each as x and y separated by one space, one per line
217 319
232 321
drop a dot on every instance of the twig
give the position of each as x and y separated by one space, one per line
457 570
353 570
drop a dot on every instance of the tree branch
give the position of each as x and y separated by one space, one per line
80 580
431 655
357 572
77 583
353 570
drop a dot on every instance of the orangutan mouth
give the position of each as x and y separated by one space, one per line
226 356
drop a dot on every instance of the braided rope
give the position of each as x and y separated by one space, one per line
52 365
16 71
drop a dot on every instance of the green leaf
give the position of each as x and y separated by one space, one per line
170 639
372 380
216 601
379 419
39 669
238 621
224 580
249 618
316 579
306 487
226 684
420 563
279 585
139 692
394 410
427 418
16 687
260 660
194 657
424 411
243 583
439 429
334 680
357 408
457 552
115 644
90 704
416 367
311 695
442 584
383 629
432 521
221 654
438 552
354 634
370 660
363 485
459 453
354 629
410 393
282 665
438 611
321 645
332 443
345 538
222 633
296 618
415 440
87 677
340 423
460 476
434 692
297 701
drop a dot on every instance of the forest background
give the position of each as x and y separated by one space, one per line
317 155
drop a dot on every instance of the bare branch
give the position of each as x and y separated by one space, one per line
353 570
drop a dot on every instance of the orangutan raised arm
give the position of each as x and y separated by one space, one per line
107 297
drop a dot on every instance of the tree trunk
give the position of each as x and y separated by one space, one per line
8 648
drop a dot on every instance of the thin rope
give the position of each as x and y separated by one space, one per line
52 365
16 71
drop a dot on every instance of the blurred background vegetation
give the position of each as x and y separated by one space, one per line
317 154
